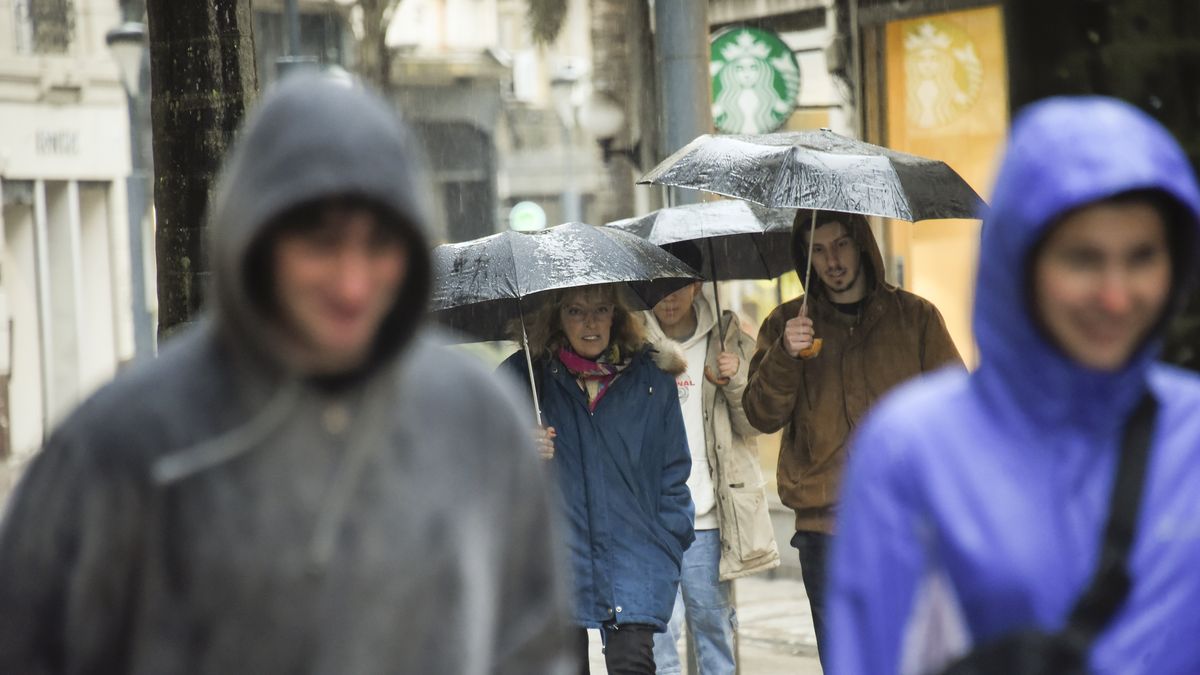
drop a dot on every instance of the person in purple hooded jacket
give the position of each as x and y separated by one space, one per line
990 490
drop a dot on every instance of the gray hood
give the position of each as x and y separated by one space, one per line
312 137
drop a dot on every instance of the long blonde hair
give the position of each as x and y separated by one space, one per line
544 326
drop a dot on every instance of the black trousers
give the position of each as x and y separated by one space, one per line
628 649
814 548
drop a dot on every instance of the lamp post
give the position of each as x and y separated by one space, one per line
128 45
603 119
292 60
562 86
681 49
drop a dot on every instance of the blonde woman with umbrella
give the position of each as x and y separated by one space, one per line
618 450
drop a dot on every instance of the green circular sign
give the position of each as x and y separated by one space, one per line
755 80
526 217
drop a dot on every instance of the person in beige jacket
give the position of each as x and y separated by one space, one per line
734 537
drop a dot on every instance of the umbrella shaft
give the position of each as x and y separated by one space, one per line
716 293
812 230
537 408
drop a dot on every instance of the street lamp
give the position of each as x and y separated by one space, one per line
292 61
127 42
562 87
128 45
603 119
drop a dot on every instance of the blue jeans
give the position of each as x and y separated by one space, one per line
813 547
703 600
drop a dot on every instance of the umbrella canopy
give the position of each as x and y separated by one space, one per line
480 286
820 170
737 239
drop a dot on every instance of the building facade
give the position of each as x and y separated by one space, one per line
497 129
65 298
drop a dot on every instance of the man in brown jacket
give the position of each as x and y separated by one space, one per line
873 337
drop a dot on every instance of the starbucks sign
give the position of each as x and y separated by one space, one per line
755 80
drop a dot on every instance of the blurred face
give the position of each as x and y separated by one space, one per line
837 262
335 283
676 308
1102 280
587 320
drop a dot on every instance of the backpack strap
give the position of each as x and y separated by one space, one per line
1111 583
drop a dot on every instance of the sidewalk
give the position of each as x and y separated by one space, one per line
775 633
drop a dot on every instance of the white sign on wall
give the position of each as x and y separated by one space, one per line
64 143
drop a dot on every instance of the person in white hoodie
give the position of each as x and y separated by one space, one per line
734 537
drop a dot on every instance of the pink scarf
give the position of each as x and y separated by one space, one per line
595 376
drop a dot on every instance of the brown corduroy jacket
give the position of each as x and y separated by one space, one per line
818 402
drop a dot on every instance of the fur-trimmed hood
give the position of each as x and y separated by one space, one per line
668 356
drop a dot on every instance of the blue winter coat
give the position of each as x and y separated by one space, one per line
623 472
1001 479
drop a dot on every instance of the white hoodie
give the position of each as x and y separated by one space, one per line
691 400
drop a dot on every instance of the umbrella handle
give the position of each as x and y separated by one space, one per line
811 352
715 379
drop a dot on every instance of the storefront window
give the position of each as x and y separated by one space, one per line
945 95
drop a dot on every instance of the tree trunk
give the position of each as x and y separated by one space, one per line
203 80
611 66
643 106
374 62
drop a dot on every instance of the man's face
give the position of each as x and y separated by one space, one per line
1102 280
837 262
334 285
676 308
587 320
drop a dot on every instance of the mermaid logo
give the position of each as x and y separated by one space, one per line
755 81
944 73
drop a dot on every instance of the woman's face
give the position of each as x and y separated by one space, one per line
587 320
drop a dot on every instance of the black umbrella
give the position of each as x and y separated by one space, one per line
483 285
738 240
820 170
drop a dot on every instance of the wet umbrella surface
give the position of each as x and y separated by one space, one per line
820 170
480 286
738 240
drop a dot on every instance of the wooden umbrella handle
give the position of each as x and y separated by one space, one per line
712 377
812 351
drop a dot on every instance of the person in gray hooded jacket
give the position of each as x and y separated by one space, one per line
282 490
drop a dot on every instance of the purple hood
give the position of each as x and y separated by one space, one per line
1063 154
995 485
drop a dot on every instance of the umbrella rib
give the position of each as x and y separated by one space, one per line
779 177
758 244
512 256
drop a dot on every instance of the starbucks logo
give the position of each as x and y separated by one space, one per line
944 73
755 81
